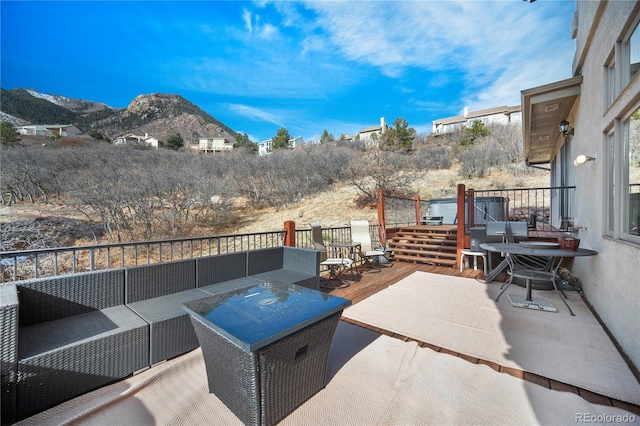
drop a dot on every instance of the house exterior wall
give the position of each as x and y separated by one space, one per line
214 145
49 130
264 147
498 115
611 279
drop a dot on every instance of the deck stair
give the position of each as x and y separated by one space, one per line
434 245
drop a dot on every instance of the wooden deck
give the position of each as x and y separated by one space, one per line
370 282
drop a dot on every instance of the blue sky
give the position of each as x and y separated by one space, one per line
305 65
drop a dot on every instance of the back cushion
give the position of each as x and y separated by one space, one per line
265 260
149 281
49 299
221 268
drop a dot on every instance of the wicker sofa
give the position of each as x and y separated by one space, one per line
67 335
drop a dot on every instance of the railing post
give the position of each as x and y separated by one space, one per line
472 208
418 212
382 230
460 231
290 233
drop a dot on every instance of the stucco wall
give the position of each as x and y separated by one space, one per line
611 280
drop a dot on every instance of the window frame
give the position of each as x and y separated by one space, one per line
622 177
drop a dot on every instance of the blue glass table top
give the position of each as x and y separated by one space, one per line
255 316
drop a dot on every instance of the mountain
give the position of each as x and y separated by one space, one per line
159 115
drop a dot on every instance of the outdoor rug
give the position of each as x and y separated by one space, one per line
460 314
372 380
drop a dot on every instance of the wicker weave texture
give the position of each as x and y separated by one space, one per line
232 373
264 260
8 351
49 299
262 387
221 268
53 375
302 260
149 281
293 369
171 332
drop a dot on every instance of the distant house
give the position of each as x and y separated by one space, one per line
49 130
264 147
131 139
497 115
370 135
213 145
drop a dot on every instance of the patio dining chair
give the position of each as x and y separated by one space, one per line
360 233
530 268
331 257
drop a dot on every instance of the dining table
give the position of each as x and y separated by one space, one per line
549 253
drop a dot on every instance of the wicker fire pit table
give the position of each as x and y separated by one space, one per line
266 346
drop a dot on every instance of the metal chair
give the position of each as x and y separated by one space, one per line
360 234
331 257
530 268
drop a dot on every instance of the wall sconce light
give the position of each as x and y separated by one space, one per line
564 128
581 159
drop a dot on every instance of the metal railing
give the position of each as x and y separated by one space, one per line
544 203
25 264
545 206
400 211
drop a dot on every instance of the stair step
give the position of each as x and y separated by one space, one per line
421 259
421 240
437 254
425 244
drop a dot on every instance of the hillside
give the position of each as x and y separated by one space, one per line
336 207
158 114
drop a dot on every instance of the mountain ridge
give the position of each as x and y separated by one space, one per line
158 114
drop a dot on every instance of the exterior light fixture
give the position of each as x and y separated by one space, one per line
564 128
581 159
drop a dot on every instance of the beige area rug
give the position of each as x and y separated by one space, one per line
373 380
460 314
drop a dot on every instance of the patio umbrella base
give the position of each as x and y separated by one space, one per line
537 303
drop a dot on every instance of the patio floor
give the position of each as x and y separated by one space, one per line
369 283
375 376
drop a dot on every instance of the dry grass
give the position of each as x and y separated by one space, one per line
334 207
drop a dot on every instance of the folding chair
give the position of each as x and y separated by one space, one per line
360 234
330 257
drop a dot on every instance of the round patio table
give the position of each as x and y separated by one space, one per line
548 251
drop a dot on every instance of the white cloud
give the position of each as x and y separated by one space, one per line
255 114
500 47
246 17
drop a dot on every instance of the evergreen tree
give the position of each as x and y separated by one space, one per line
243 141
471 134
175 142
281 139
8 134
326 137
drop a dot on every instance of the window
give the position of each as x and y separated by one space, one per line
610 84
631 175
610 184
632 54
